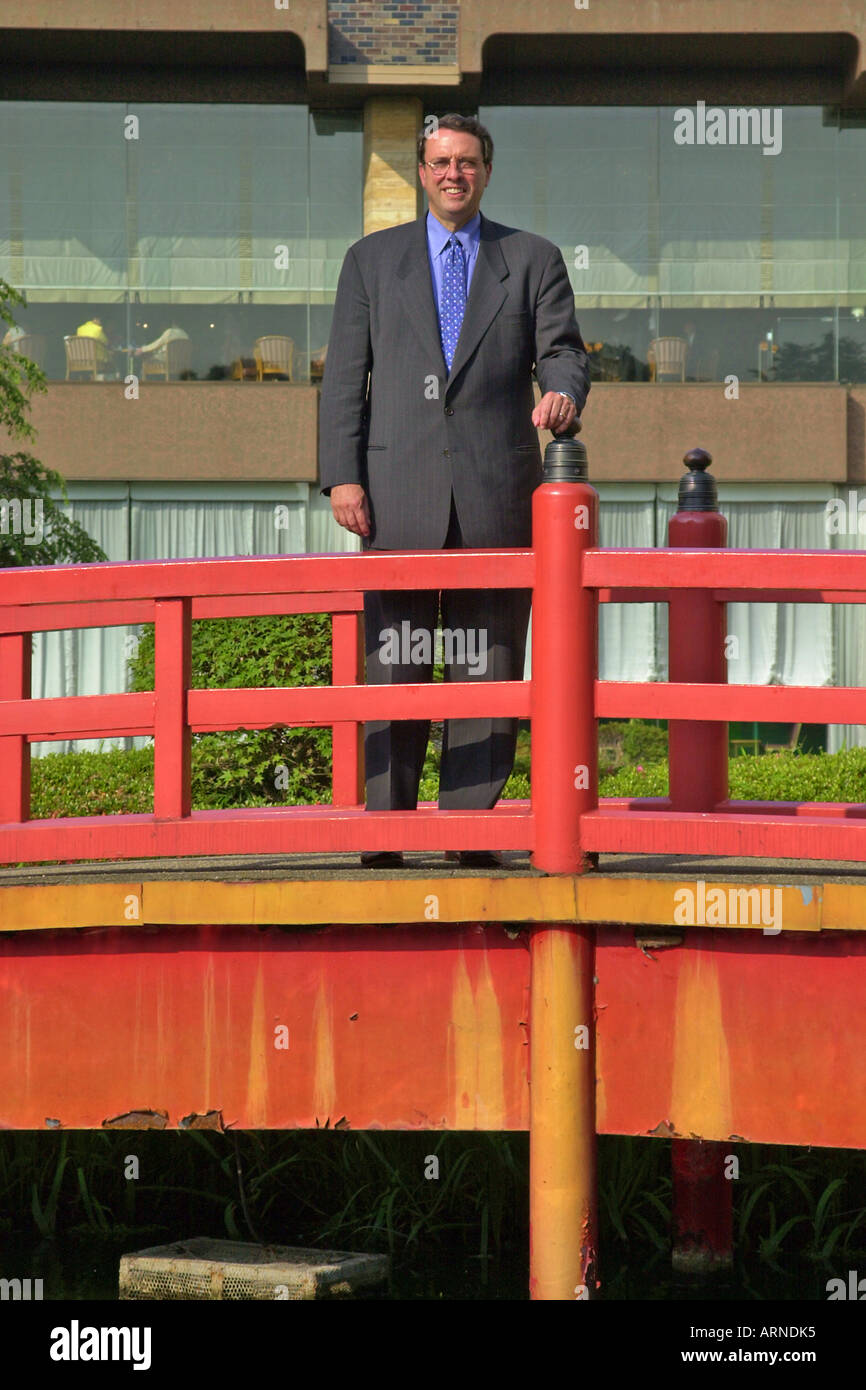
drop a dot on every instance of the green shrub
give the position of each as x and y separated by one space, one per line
256 767
650 780
800 777
630 741
770 777
116 782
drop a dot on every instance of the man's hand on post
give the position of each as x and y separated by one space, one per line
350 507
554 412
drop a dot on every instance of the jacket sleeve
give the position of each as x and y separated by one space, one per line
343 403
561 362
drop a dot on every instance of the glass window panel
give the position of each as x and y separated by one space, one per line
225 224
757 260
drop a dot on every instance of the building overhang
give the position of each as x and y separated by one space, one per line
638 52
120 50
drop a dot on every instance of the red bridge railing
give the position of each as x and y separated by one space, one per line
173 594
778 830
563 825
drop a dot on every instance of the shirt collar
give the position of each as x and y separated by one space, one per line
438 236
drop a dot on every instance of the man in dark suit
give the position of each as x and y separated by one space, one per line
428 440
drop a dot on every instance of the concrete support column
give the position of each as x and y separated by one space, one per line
391 190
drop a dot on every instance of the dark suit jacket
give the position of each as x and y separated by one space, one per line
393 418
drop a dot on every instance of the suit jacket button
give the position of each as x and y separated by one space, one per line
448 410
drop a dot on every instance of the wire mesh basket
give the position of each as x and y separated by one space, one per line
202 1268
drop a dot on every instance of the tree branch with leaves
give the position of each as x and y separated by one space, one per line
25 484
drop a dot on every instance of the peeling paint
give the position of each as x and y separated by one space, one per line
805 893
657 940
209 1119
138 1119
663 1130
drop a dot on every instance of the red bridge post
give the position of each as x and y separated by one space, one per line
562 1144
564 660
698 761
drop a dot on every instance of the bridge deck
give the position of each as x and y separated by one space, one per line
287 890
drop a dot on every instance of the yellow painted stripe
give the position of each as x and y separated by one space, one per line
663 902
595 898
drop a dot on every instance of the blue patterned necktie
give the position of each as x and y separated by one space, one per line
453 304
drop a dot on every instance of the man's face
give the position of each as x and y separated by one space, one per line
454 196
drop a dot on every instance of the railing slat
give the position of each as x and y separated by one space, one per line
347 658
172 738
772 704
273 574
758 571
251 709
77 716
15 663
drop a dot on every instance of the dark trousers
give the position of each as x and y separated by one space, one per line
477 754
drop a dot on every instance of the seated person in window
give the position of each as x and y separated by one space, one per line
94 329
12 336
156 349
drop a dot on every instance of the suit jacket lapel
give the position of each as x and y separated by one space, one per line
413 275
486 297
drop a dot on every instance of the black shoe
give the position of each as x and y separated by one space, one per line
382 859
476 858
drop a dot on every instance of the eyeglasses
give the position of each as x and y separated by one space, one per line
465 166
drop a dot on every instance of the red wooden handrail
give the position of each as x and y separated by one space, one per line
173 594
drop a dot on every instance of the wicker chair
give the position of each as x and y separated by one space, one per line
84 355
168 362
667 357
32 345
274 356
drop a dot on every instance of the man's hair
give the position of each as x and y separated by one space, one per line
470 124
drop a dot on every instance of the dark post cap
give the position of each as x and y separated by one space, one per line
698 488
565 461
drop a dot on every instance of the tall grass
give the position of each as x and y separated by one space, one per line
375 1191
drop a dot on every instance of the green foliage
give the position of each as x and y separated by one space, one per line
59 538
54 538
630 741
115 782
259 767
800 776
651 780
817 361
19 377
635 1190
643 742
770 777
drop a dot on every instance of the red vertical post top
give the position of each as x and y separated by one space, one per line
564 660
697 751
